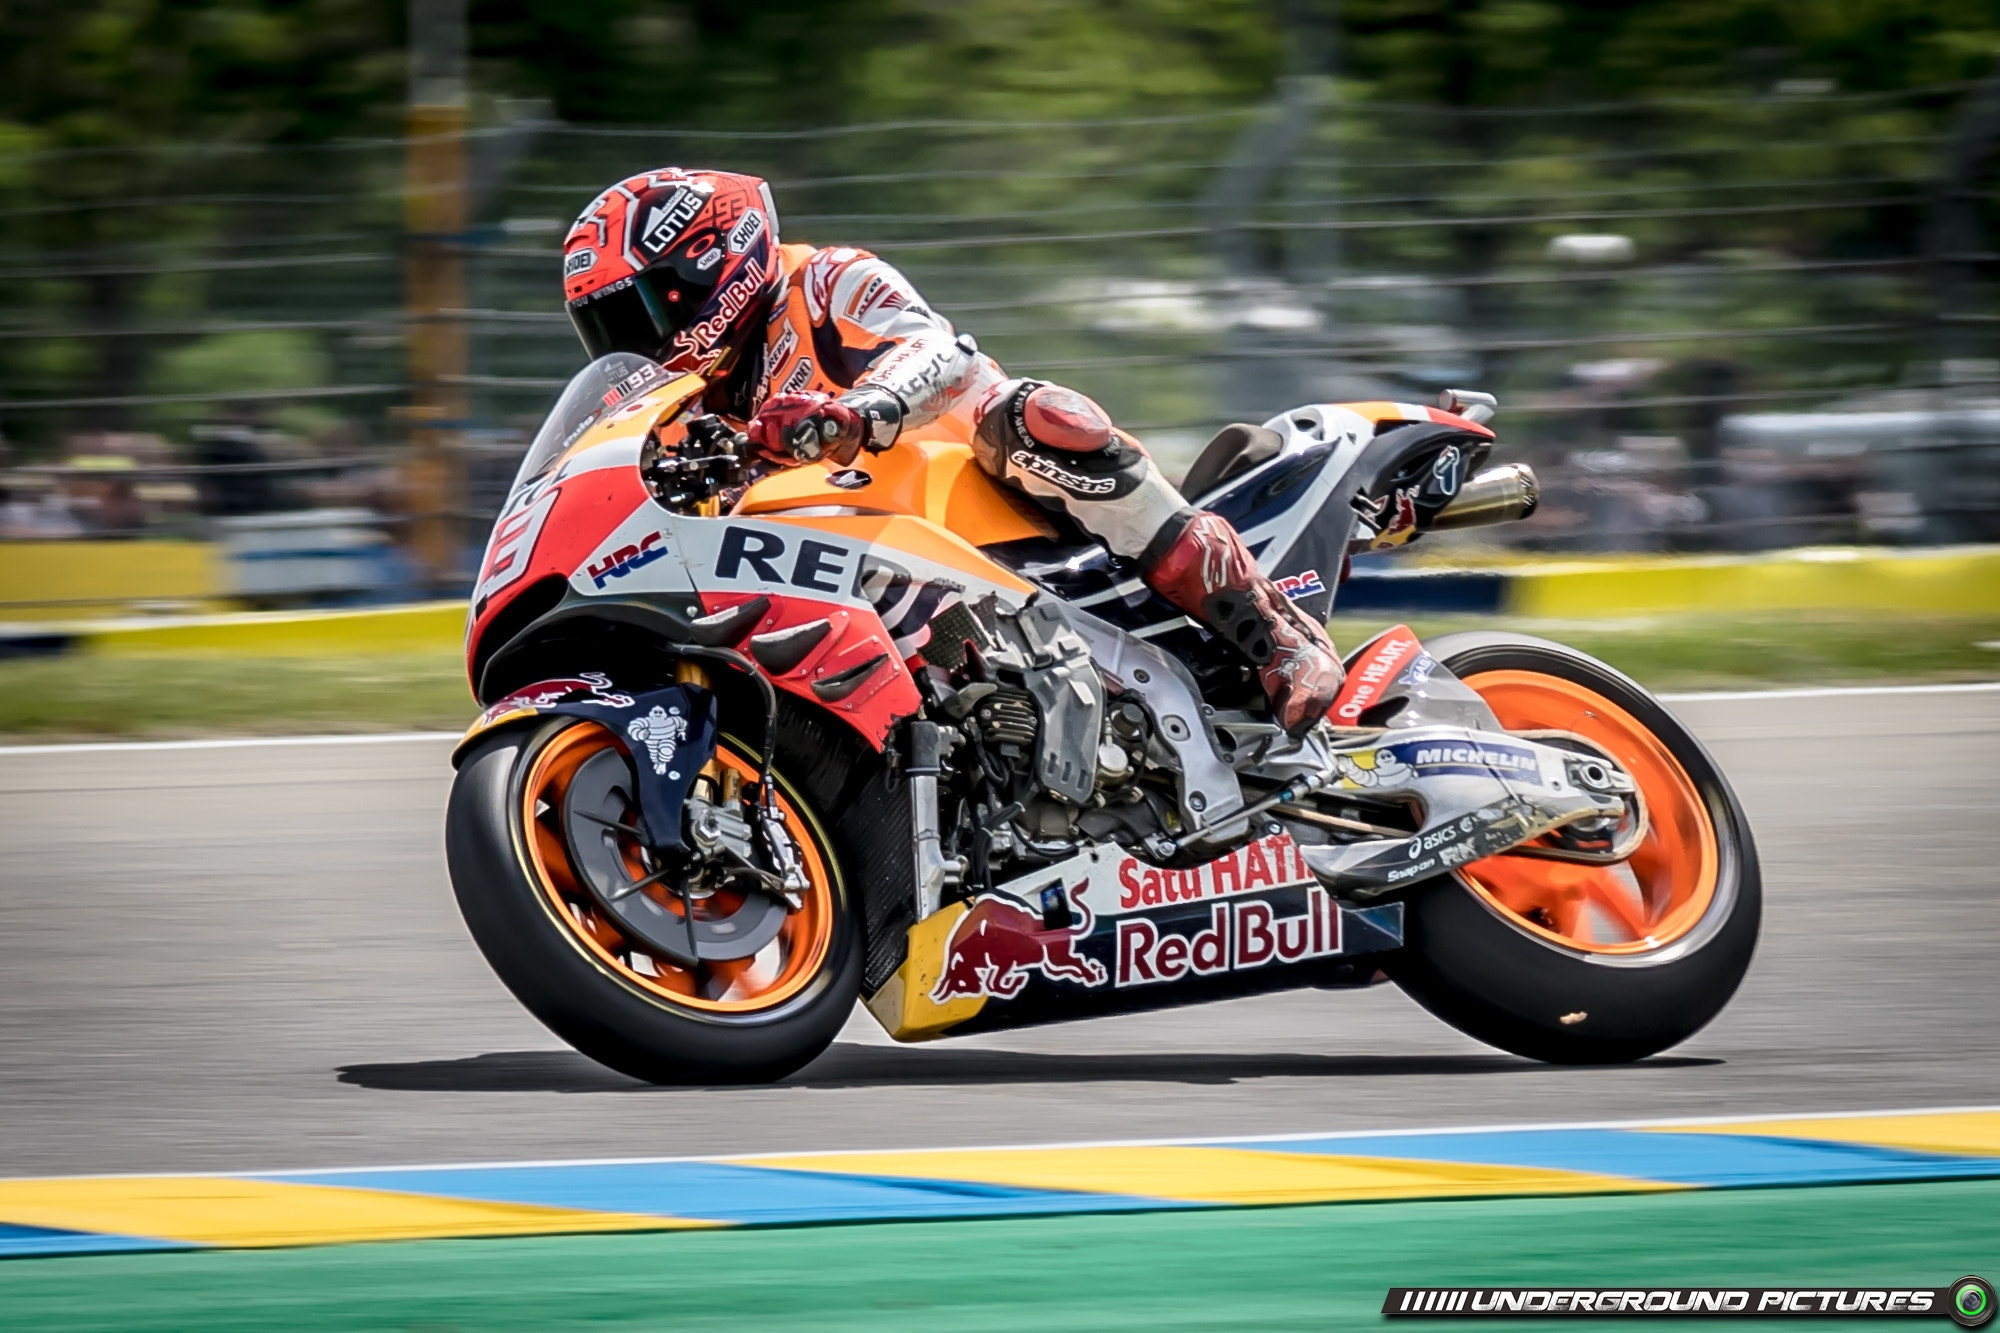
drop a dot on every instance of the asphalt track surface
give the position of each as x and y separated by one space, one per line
244 958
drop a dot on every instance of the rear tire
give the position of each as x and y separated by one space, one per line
601 1008
1506 980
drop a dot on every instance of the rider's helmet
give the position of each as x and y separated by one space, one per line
674 265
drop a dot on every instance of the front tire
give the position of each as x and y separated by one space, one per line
591 986
1577 964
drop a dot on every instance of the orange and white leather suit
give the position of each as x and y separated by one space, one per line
850 355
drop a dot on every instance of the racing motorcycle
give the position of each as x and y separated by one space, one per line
755 746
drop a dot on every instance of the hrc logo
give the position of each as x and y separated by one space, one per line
628 558
1296 586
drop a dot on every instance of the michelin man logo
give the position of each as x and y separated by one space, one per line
660 731
1386 770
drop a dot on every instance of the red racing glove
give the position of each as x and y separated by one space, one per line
794 428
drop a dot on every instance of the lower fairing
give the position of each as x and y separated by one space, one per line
1105 933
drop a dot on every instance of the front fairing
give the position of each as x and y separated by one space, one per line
578 483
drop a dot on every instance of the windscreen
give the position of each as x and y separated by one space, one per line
593 391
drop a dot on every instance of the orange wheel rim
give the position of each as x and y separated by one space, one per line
775 974
1643 903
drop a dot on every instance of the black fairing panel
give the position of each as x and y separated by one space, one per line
1315 559
1079 573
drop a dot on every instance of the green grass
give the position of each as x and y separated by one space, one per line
1257 1270
84 696
1779 648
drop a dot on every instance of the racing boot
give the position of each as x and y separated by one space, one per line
1205 570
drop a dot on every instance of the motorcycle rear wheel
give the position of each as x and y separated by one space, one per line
1589 964
748 1021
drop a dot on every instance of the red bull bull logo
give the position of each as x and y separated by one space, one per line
998 945
588 687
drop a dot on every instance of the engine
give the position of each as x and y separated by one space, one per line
1042 755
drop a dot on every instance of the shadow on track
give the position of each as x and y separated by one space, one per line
850 1065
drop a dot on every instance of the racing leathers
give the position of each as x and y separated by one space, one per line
852 356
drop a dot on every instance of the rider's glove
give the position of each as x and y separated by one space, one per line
793 428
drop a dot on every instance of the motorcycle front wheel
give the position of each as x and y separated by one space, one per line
603 991
1575 961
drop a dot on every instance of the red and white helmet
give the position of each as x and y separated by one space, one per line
674 265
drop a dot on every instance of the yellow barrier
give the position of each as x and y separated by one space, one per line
1947 581
423 627
44 580
1958 580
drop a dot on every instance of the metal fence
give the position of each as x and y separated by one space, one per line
1713 323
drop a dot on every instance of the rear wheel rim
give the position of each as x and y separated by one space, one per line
1647 902
777 973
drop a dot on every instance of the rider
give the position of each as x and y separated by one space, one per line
827 351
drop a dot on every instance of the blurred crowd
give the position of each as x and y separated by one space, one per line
1729 268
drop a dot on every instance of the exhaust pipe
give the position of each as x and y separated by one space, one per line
1497 495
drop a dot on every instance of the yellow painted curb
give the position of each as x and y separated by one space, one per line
1960 1133
1961 580
221 1210
1229 1176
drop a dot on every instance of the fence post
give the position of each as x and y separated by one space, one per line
434 219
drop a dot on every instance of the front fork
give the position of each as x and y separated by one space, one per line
782 852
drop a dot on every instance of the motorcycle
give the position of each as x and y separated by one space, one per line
757 746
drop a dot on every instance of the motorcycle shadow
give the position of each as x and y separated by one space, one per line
852 1065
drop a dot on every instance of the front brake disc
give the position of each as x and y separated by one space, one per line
600 823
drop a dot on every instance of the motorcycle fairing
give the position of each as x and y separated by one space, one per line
1295 510
1291 509
925 475
667 735
558 516
1104 932
843 572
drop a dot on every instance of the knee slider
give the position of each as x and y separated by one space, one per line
1024 413
1059 418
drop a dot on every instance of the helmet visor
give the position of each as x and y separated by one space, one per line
641 314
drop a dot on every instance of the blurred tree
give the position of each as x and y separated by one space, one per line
100 100
798 62
1533 52
108 95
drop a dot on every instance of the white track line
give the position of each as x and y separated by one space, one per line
1748 1119
1832 691
393 737
234 742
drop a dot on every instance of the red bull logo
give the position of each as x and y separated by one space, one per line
588 687
998 945
1240 936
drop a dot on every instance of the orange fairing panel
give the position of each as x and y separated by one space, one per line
929 477
1379 412
912 536
639 416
